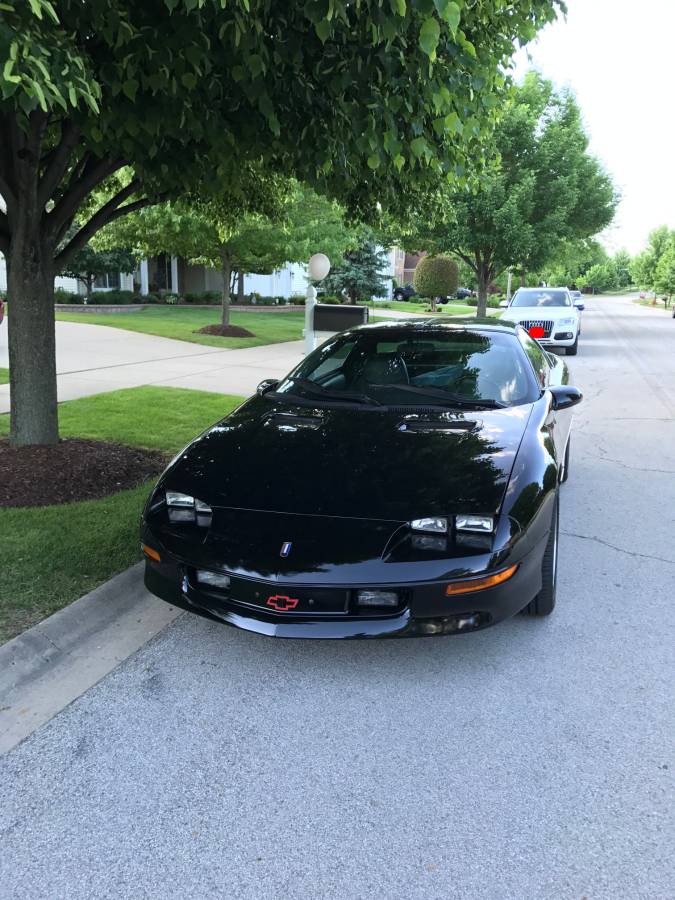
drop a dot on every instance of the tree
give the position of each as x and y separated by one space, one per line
598 279
436 276
621 264
88 264
542 189
291 223
645 264
664 280
370 101
360 275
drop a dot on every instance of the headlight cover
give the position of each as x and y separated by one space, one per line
476 524
183 509
433 524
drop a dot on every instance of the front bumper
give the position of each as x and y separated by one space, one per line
425 609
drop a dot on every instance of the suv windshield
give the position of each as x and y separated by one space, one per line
540 297
415 368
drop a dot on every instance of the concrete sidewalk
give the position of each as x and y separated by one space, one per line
92 359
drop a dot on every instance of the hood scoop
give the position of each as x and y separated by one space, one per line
293 422
438 426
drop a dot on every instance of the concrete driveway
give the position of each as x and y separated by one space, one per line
91 359
532 760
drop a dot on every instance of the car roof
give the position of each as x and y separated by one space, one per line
431 325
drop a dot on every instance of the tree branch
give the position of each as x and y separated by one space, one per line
107 214
93 173
465 258
58 162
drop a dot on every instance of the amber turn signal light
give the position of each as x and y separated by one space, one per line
150 552
480 584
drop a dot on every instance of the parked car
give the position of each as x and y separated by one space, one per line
404 293
403 480
578 300
548 315
460 294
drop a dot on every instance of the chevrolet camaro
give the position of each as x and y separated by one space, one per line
404 479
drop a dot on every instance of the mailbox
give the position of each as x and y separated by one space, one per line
331 317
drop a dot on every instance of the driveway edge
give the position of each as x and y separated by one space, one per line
50 665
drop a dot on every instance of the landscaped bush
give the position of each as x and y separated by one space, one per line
436 276
203 297
492 301
329 298
115 297
63 296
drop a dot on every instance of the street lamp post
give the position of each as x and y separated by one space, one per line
318 268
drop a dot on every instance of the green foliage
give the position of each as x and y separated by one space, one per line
598 279
106 298
63 296
664 278
87 264
644 266
360 275
543 189
436 276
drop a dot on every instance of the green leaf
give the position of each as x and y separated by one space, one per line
450 13
430 33
323 29
373 161
130 87
399 162
189 80
399 6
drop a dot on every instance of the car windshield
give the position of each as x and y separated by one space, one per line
415 367
541 297
575 294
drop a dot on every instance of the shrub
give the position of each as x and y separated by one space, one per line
114 297
436 276
492 301
210 297
329 298
63 296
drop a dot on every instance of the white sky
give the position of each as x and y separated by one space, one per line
619 58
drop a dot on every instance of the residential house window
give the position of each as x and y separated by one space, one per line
109 281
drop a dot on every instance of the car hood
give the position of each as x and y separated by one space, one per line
394 464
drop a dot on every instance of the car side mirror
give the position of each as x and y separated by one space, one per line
503 304
269 384
564 396
580 306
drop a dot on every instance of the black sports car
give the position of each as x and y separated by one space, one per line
402 480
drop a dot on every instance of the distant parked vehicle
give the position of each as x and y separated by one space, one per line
404 293
460 294
577 299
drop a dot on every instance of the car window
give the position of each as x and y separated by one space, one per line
541 298
536 355
465 364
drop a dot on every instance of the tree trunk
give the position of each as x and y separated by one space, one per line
226 272
483 277
240 286
32 342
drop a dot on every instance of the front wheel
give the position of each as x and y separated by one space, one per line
399 296
572 351
544 603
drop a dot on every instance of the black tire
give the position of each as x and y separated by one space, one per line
400 296
566 462
572 351
544 603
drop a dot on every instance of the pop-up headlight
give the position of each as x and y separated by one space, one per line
434 524
183 509
476 524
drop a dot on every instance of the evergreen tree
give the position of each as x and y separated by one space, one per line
361 273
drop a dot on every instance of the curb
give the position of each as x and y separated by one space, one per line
50 665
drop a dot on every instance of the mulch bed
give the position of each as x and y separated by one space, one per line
225 331
72 470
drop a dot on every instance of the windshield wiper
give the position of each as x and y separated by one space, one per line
446 397
343 396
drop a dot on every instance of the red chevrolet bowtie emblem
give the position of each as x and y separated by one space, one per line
282 603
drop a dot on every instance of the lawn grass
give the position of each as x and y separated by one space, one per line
181 322
4 376
52 555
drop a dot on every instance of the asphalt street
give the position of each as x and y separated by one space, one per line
531 760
